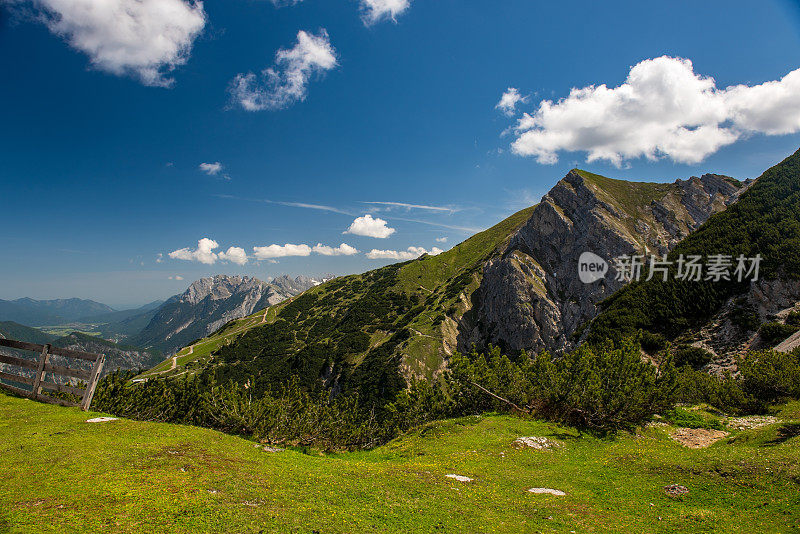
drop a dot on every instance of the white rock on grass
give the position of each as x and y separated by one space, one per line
751 422
550 491
535 442
102 419
460 478
267 448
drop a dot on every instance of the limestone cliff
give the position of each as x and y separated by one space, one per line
530 296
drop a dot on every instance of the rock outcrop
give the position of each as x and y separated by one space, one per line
733 330
530 296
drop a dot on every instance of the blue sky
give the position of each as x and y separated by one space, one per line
100 150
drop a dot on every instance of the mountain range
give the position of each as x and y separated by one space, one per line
138 338
50 312
516 285
210 303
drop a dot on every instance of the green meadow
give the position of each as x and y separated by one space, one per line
63 474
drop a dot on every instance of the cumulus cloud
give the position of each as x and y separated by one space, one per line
281 251
204 253
369 227
211 169
159 257
176 277
663 109
509 100
342 250
144 38
373 11
409 254
284 84
441 240
235 255
284 3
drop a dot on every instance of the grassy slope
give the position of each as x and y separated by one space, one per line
189 361
427 277
131 476
630 199
12 330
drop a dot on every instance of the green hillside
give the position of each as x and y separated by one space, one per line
130 476
12 330
357 329
194 356
765 220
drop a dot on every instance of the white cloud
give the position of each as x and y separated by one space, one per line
204 252
441 240
176 277
284 84
409 207
509 100
159 257
235 255
211 169
373 11
281 251
284 3
409 254
144 38
663 109
342 250
367 226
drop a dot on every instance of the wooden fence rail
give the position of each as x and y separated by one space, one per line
42 367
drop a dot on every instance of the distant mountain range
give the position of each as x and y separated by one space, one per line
210 303
158 327
50 312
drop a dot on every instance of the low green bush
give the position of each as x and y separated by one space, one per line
601 389
288 415
723 392
775 332
652 342
770 376
694 357
793 319
692 419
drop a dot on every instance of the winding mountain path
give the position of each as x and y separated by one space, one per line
175 359
174 363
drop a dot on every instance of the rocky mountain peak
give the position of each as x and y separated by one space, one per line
220 286
530 296
209 303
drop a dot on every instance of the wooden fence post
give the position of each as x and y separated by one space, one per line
97 368
43 357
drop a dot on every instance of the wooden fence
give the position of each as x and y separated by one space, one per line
42 367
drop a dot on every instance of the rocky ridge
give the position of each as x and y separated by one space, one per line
530 296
